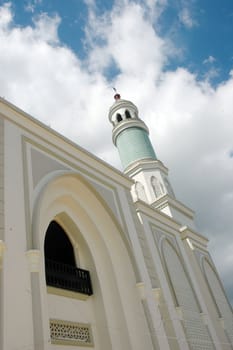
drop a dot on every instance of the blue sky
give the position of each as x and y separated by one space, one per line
202 30
174 59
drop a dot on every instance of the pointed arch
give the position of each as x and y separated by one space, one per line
156 185
57 245
140 191
119 117
185 297
104 250
127 114
219 298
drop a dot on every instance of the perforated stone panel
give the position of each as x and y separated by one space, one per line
70 333
197 334
220 299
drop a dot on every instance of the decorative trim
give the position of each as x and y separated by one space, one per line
33 257
141 290
132 123
179 313
70 333
121 104
173 203
2 248
143 165
204 318
157 294
194 237
2 251
222 322
67 293
21 119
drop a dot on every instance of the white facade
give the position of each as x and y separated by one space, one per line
154 283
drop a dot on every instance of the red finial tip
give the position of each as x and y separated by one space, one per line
117 97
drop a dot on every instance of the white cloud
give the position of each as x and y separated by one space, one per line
5 15
210 59
31 5
190 121
186 18
128 40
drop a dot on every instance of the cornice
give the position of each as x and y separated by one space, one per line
54 139
127 124
143 165
166 200
195 237
155 214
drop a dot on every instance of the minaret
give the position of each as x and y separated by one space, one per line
131 137
130 133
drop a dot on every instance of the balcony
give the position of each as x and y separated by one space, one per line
60 275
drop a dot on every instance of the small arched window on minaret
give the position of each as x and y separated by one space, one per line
157 187
119 117
127 114
140 191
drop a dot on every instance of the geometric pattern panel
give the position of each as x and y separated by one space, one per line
220 299
70 333
196 331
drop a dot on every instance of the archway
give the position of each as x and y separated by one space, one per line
103 250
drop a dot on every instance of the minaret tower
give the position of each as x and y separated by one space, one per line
131 137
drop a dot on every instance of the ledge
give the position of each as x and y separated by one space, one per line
166 200
2 251
141 290
2 248
145 164
33 257
67 293
196 238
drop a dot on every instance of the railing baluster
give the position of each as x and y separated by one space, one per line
67 277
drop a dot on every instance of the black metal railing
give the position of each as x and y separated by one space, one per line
68 277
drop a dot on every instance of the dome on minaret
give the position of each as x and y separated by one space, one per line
130 134
122 110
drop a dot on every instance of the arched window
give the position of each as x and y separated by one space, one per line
57 245
157 187
119 118
127 114
60 266
140 191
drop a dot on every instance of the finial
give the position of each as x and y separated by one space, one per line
116 96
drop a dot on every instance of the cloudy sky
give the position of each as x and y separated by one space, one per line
172 58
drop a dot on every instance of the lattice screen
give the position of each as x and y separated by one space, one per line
70 333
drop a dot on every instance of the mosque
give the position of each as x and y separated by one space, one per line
93 257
